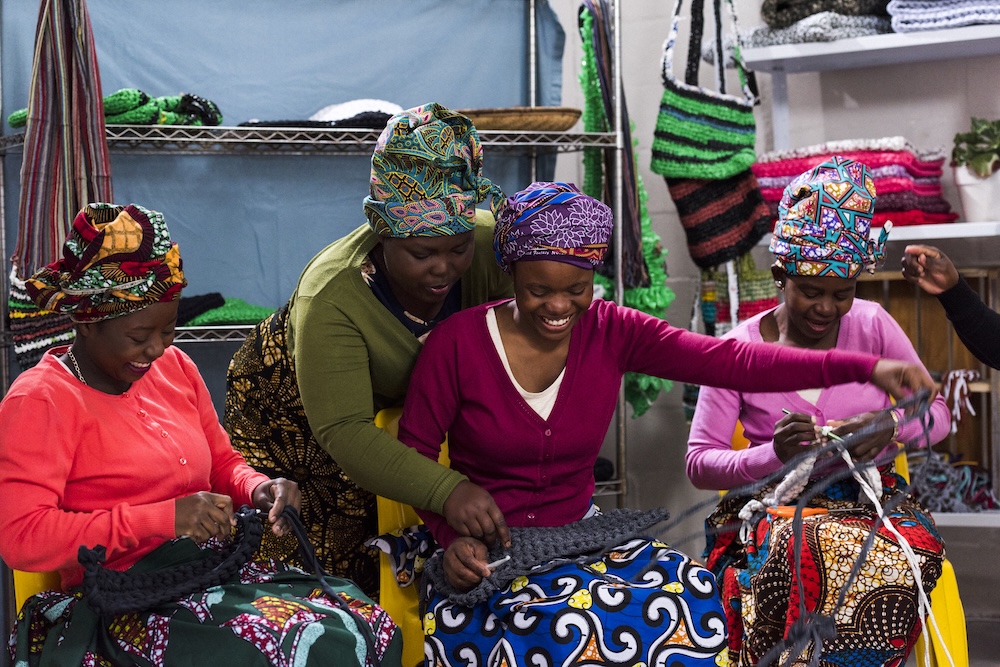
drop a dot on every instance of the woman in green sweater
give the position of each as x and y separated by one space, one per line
303 390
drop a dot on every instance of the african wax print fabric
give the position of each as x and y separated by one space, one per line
116 260
427 175
824 221
642 602
268 614
878 624
267 425
553 221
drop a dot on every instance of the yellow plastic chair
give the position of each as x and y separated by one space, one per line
402 604
946 605
27 584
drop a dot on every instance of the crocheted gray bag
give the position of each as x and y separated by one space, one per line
533 548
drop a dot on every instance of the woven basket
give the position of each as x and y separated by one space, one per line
537 119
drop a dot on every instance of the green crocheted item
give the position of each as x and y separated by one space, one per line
234 311
131 106
640 390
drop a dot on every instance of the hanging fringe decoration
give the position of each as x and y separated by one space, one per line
65 164
645 272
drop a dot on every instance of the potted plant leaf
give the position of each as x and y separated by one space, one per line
975 159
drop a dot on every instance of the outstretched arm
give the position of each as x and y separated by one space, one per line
976 324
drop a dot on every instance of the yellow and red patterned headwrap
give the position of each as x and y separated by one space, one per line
116 260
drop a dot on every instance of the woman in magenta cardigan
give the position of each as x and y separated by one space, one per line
525 390
821 244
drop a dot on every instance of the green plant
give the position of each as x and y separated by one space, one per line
979 149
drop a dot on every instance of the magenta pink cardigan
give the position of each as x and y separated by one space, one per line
541 472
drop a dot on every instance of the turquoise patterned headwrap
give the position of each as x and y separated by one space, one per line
427 175
824 221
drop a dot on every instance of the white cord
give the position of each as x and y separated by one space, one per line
923 603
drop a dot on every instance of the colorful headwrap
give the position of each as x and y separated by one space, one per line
824 221
116 260
553 221
427 175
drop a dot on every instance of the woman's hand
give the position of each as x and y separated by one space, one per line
793 434
928 268
902 378
465 563
204 515
866 449
471 512
272 496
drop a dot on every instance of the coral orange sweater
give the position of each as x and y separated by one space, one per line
81 467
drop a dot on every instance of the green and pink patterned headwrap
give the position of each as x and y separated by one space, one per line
116 260
824 222
427 175
553 221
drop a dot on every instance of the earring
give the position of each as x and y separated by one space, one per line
780 285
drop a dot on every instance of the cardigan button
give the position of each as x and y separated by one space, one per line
184 461
163 434
142 413
531 515
548 431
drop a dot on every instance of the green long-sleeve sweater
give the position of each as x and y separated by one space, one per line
353 358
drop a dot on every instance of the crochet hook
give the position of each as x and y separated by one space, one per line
497 563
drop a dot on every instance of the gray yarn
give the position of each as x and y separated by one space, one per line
530 548
821 27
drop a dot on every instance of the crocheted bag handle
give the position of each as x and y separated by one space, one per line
748 81
112 592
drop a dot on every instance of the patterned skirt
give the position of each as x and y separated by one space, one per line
268 614
267 424
641 603
878 621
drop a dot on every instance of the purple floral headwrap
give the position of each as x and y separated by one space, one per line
553 221
824 222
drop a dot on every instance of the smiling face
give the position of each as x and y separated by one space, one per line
550 296
115 353
422 269
814 306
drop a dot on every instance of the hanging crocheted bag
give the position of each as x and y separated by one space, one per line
703 133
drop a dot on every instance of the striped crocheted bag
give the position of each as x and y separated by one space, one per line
702 133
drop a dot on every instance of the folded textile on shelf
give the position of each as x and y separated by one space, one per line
916 167
783 13
233 311
882 171
360 113
131 106
907 180
822 27
906 218
844 146
918 15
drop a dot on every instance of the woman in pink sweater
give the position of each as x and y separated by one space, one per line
821 244
525 390
111 448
